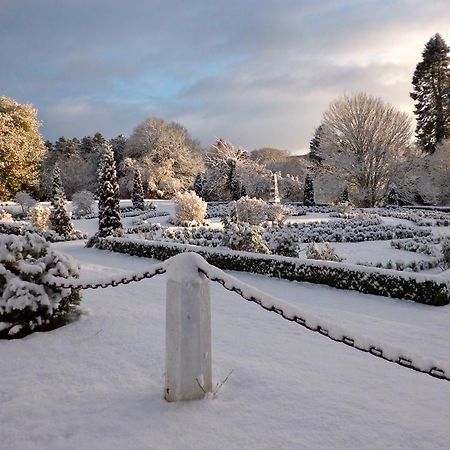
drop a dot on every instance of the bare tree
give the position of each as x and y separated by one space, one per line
367 144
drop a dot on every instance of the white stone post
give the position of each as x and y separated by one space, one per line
188 330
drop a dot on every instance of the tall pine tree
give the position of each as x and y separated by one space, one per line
138 191
198 184
108 195
59 216
308 192
431 94
314 146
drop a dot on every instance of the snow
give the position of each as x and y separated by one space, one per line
98 382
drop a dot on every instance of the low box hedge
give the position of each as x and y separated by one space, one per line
419 288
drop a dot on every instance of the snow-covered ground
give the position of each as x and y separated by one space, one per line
98 383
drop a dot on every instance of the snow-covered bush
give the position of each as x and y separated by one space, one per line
82 203
189 208
280 241
417 245
26 304
278 213
25 201
40 217
325 253
410 266
217 209
445 249
5 216
244 237
251 210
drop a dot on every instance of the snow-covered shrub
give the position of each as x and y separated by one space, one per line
278 213
445 249
40 217
411 266
417 245
5 216
280 241
244 237
325 253
189 208
251 210
26 304
343 210
82 203
25 201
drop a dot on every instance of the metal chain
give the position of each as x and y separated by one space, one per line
435 372
78 284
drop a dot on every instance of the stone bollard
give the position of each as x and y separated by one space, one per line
188 330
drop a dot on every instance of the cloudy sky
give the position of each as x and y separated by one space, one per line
255 72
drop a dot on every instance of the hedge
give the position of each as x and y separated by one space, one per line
416 287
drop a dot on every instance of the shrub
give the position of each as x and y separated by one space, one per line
445 249
251 210
40 217
26 304
189 207
244 237
278 213
5 216
324 253
25 201
82 203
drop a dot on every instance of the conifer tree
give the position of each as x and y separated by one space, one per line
392 198
243 191
314 146
431 94
344 195
108 195
138 191
308 192
198 184
59 216
234 184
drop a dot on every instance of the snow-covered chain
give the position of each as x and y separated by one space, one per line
336 333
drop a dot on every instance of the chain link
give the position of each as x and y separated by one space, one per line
435 372
78 284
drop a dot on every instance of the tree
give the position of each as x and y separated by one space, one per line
366 143
431 94
198 184
392 197
233 181
344 195
166 155
21 147
314 146
59 216
118 145
138 191
308 192
108 195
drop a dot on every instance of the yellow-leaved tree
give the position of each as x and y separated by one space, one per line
21 147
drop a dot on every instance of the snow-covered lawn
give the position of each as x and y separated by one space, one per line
98 383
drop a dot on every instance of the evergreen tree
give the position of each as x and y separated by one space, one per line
314 146
138 191
108 195
274 190
198 184
308 192
233 180
243 191
392 198
59 216
118 145
431 94
344 195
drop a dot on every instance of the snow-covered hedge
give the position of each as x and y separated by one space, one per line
26 304
419 288
411 266
418 245
348 230
21 228
421 218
